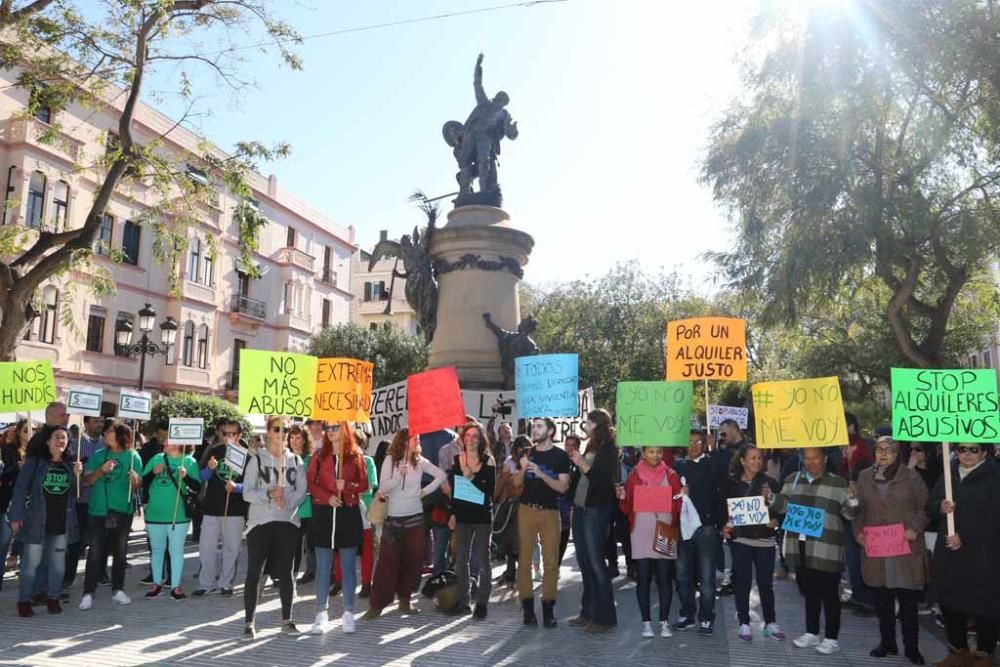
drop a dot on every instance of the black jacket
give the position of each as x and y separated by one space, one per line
603 475
703 490
737 488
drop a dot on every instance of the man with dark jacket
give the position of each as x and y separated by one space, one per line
696 557
732 442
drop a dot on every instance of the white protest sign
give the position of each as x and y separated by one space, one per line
748 511
720 413
186 431
84 401
135 404
236 457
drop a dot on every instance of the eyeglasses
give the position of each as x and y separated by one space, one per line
884 450
278 429
968 450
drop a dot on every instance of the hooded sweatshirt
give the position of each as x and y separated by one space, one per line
260 476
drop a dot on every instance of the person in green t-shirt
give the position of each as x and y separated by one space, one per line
171 473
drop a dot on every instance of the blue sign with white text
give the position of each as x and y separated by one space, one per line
547 385
804 520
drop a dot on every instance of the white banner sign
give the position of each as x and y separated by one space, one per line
720 413
84 401
186 431
135 404
236 457
748 511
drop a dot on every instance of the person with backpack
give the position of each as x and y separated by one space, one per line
224 516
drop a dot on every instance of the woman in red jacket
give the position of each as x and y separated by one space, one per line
654 534
336 479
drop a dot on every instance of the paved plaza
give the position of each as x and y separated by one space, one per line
207 631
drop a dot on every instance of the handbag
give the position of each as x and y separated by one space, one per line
378 511
665 539
192 502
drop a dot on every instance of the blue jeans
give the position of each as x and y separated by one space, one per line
348 571
593 527
696 558
53 548
442 538
860 592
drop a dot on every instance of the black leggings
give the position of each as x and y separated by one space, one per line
273 544
103 542
304 546
663 570
956 624
885 605
822 590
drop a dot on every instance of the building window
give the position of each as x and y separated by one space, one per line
10 194
208 270
36 200
102 246
194 260
47 331
328 265
203 346
60 203
386 326
368 291
130 242
242 283
973 361
197 176
290 240
95 330
373 326
234 375
43 112
326 313
187 352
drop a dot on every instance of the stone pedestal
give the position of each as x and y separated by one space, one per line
479 258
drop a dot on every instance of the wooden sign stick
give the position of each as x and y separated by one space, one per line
946 455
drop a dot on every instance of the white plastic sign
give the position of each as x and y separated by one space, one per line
185 431
135 404
84 401
720 413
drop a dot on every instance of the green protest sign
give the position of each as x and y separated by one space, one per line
945 405
26 385
654 414
277 383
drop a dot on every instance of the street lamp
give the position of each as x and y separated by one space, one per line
147 319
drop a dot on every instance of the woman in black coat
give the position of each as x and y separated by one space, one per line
966 579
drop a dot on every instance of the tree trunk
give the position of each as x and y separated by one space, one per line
12 326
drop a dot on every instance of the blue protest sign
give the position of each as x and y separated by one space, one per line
467 491
804 520
547 385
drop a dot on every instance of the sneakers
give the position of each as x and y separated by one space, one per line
808 640
665 630
683 623
226 592
120 598
647 629
705 628
199 592
321 625
773 630
86 602
178 594
828 647
153 592
147 580
744 632
289 630
249 633
348 622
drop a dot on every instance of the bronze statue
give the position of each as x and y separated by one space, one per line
513 344
476 144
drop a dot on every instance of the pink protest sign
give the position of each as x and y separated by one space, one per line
886 541
652 499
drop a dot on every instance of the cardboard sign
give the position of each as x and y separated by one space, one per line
434 400
707 348
886 541
343 390
748 511
804 520
720 413
186 431
134 404
945 405
654 414
236 457
648 498
277 383
84 401
26 385
799 413
547 385
467 491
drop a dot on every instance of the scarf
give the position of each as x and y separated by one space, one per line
886 473
649 475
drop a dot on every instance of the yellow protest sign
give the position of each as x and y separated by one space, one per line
277 383
26 385
343 390
707 348
799 413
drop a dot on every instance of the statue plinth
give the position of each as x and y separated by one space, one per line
478 256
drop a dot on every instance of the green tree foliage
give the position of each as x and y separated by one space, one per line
184 404
395 354
864 149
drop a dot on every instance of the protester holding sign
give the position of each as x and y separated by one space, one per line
888 494
114 472
43 516
753 546
274 484
966 576
336 478
817 554
654 533
224 516
401 552
173 475
12 457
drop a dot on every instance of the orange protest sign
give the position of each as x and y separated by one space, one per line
434 401
343 390
707 348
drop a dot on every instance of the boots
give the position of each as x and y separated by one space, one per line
883 649
528 607
549 613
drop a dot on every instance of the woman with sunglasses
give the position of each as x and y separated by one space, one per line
966 577
274 484
889 494
12 455
224 516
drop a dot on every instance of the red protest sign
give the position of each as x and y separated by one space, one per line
434 400
886 541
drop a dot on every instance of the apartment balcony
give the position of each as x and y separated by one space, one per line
328 276
377 306
35 132
244 305
295 257
300 322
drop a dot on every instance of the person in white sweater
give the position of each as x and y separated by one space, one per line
401 551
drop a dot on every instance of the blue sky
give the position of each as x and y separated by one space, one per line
613 99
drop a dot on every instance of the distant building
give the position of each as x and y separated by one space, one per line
371 295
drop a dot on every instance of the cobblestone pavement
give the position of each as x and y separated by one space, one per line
207 631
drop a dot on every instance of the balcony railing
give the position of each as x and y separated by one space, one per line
329 276
296 257
233 381
247 306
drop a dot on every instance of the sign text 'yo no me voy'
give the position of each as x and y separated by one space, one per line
277 383
799 413
707 348
651 414
945 405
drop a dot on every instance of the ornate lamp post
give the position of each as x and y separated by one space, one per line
147 318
